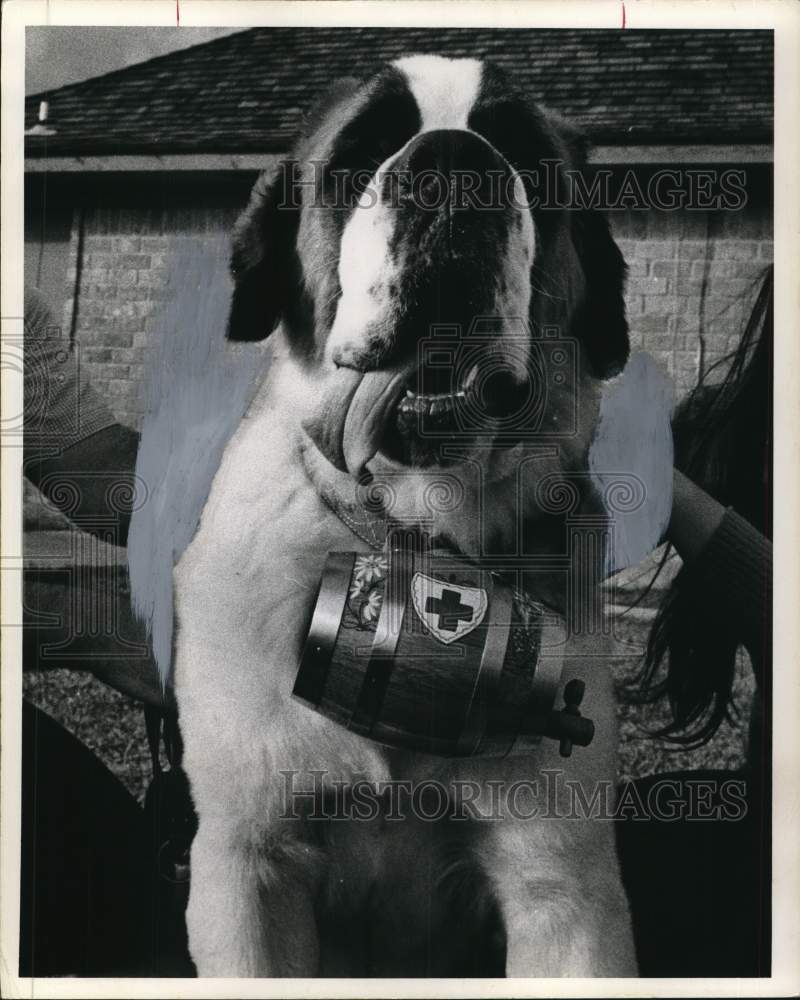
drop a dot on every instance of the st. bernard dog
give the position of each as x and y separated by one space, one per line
348 255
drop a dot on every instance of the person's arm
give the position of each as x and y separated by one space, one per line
102 468
83 460
731 557
695 517
76 452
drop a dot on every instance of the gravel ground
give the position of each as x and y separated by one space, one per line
111 725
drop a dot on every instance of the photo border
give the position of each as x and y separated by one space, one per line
784 18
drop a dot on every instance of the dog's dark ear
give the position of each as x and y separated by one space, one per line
263 252
263 261
600 321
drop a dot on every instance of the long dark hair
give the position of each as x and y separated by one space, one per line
723 442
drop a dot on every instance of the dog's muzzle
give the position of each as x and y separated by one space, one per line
446 197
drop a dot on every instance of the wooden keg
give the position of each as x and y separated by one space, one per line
432 653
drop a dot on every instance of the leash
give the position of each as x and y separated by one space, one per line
162 726
168 802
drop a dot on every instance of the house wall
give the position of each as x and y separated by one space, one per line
48 229
692 274
693 277
122 234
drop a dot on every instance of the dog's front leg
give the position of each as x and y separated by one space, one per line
250 913
561 899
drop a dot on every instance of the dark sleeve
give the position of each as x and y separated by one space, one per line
737 564
76 452
60 405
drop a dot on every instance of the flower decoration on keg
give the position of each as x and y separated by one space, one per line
366 590
371 608
370 568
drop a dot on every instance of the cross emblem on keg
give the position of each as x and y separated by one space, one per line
448 610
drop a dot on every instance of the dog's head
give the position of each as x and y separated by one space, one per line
419 252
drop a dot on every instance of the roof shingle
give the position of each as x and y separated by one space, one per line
245 92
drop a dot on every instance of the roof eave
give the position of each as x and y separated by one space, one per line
602 155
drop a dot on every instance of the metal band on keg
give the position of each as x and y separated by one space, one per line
382 661
318 650
547 675
490 671
547 671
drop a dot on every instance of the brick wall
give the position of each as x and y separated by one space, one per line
119 289
692 281
118 273
691 276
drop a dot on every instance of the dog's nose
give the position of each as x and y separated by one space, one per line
452 167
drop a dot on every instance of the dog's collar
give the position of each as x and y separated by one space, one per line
370 528
344 497
338 492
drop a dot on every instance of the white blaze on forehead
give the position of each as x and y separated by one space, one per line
365 270
445 89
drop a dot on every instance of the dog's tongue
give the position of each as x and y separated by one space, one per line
349 422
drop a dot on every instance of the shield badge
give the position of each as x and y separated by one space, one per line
448 610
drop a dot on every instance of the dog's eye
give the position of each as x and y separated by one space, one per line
356 160
517 133
380 130
364 151
505 125
346 177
